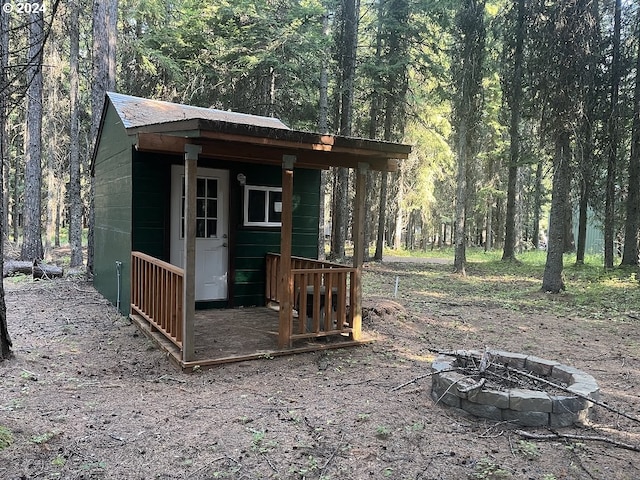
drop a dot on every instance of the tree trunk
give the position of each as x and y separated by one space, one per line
340 209
632 226
74 192
340 213
4 127
5 339
382 208
323 127
111 22
461 200
613 134
514 136
397 244
470 32
488 244
32 248
103 80
552 280
15 214
585 146
582 223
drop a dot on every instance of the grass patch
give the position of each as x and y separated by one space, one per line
592 291
6 437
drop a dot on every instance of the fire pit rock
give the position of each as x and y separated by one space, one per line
529 407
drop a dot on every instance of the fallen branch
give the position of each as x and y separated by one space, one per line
595 438
333 454
269 462
420 377
476 386
577 394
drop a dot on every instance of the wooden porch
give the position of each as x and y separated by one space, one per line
320 313
237 335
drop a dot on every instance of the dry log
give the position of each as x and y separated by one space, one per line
13 267
35 269
46 271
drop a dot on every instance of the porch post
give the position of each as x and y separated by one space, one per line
358 248
189 294
285 282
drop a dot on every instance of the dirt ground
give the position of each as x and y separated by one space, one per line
88 397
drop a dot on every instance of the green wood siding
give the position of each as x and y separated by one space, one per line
151 204
112 233
133 213
252 244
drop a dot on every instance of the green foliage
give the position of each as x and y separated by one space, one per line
6 437
259 443
42 438
249 55
383 432
488 470
528 449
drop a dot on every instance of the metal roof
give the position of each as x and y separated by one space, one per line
140 112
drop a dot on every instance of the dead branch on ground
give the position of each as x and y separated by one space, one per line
420 377
571 436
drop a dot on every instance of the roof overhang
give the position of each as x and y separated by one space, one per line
267 145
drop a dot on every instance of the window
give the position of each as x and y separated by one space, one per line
262 206
206 208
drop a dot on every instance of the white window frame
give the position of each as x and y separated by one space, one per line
267 190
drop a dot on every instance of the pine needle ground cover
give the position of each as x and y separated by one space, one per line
87 396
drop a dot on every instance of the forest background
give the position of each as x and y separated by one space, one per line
524 115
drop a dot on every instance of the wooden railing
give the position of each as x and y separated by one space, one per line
156 294
321 291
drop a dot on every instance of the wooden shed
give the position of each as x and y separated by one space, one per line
199 224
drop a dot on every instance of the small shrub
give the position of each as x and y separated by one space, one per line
487 470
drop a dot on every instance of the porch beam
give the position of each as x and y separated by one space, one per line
358 248
264 154
191 153
285 282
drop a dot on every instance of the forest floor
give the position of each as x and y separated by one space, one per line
88 397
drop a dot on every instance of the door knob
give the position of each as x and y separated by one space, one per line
225 244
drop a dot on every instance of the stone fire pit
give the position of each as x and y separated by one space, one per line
526 406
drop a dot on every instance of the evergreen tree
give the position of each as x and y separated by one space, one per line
632 224
470 34
32 248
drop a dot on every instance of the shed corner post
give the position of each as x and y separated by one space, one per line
191 153
285 282
358 249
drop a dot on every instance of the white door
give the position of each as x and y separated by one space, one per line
212 229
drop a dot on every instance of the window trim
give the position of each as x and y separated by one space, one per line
267 190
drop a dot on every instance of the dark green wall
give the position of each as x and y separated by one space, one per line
112 233
152 203
135 194
252 244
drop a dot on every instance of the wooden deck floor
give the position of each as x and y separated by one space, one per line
235 335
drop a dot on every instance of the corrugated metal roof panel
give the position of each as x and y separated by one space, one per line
140 112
